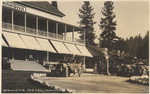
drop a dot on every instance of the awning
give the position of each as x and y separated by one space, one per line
96 51
14 40
60 47
31 42
73 49
4 43
45 44
84 51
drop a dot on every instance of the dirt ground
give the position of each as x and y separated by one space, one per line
92 83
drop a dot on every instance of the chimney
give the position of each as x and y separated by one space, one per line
54 4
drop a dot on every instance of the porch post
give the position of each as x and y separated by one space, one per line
47 28
25 55
73 35
12 18
56 30
47 36
25 24
37 25
84 66
37 56
13 54
65 31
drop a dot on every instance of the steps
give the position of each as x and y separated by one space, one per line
27 65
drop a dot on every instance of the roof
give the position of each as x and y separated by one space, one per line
96 51
42 5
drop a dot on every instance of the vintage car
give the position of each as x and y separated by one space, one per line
65 69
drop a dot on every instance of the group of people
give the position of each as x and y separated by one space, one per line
132 70
122 69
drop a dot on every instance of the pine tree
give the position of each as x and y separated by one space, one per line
107 25
86 15
143 49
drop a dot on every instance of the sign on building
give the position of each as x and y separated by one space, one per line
14 6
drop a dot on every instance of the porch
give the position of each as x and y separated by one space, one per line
22 22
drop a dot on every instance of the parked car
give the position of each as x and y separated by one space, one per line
64 69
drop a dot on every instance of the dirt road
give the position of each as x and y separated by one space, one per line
92 83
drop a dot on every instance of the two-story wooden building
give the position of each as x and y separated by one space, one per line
34 29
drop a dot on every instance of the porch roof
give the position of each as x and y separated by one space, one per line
96 52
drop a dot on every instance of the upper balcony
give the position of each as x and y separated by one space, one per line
8 26
23 22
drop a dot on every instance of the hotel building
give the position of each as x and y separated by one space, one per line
35 29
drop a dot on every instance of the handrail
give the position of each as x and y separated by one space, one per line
6 25
30 30
40 32
19 28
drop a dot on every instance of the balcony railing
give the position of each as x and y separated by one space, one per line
7 25
31 30
19 28
40 32
79 40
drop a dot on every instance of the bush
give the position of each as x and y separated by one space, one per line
34 79
144 79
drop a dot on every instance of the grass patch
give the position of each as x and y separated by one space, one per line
18 82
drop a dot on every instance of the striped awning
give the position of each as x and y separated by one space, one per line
45 44
73 49
60 47
31 42
14 40
84 51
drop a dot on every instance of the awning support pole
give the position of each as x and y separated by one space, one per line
73 35
47 56
25 24
37 25
12 18
47 28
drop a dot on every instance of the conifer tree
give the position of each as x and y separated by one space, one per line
108 25
86 15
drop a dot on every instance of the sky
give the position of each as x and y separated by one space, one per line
132 17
